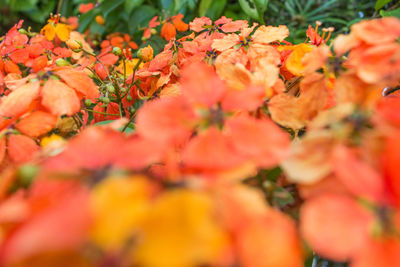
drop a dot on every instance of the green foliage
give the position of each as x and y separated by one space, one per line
131 16
381 3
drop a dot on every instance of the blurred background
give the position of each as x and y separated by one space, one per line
131 16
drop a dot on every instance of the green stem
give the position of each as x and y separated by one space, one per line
60 2
129 122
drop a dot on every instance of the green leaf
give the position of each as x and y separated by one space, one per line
391 13
167 5
249 7
86 19
140 18
109 5
215 9
261 5
132 4
203 7
381 3
22 5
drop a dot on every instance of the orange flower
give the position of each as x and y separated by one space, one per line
56 96
83 8
168 30
42 215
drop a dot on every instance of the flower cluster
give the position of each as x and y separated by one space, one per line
230 147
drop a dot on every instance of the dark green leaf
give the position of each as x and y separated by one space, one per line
86 19
381 3
141 17
132 4
216 8
109 5
22 5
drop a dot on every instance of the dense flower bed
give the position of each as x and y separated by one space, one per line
231 147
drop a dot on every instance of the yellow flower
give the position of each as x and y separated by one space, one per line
180 231
129 65
53 28
118 204
294 61
51 140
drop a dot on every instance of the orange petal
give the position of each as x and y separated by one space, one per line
59 98
360 178
225 43
250 98
269 34
168 31
79 81
55 208
18 101
335 226
36 123
21 148
207 92
391 162
270 241
259 140
210 151
382 253
2 149
19 55
166 120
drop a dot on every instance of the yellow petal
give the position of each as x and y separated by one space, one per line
294 61
118 205
181 231
49 31
62 31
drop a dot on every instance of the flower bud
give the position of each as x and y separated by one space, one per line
145 53
74 44
23 31
88 102
62 62
116 51
105 100
110 88
100 20
129 98
26 173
